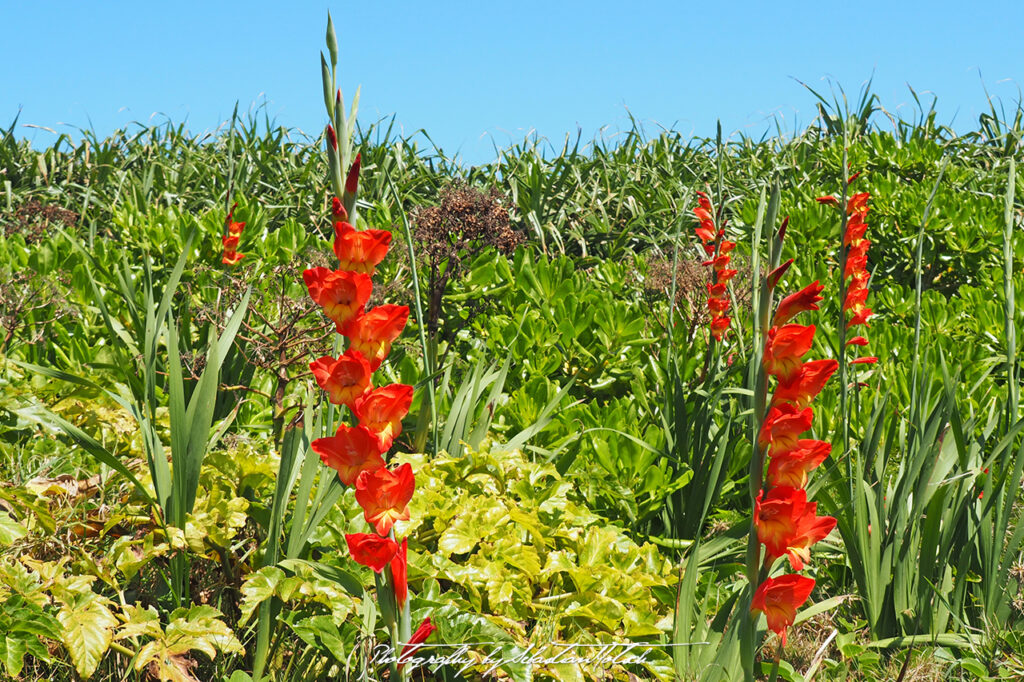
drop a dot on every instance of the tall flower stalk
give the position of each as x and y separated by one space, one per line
785 523
361 442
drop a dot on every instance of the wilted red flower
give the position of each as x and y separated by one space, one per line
783 425
784 348
341 293
351 451
381 411
359 250
798 302
801 388
371 550
779 598
373 332
790 467
345 378
384 496
399 571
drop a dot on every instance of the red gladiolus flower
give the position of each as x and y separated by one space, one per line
359 251
384 496
703 201
724 275
860 317
703 214
717 290
372 550
717 306
784 348
344 379
783 426
373 332
719 263
788 525
790 467
231 258
706 233
350 452
719 325
864 361
425 629
855 230
798 302
807 383
399 571
341 293
855 299
381 411
779 598
726 246
858 204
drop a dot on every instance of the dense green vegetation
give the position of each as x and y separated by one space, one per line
587 445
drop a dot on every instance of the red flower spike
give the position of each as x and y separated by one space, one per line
864 361
232 258
350 452
384 496
719 325
783 425
359 250
381 411
855 230
703 214
855 299
341 293
373 332
399 571
784 348
352 180
779 598
424 631
717 290
344 379
775 275
857 341
807 383
372 550
798 302
230 243
790 467
332 139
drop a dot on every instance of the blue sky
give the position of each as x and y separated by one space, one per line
474 74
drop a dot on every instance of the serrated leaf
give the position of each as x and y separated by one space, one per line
10 530
87 632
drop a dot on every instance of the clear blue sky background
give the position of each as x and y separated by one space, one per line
476 73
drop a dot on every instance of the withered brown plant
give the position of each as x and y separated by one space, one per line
450 235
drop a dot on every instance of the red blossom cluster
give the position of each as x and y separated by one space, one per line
357 451
787 524
855 272
230 240
718 249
